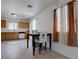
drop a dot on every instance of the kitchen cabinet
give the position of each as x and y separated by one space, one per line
3 23
11 35
3 36
23 24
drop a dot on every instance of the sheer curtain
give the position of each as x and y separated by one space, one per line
63 25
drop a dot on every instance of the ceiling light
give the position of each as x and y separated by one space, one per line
13 14
29 6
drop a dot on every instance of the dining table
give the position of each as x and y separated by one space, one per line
33 40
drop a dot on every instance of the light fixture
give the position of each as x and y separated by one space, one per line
29 6
13 14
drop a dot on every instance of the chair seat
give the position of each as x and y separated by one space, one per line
40 41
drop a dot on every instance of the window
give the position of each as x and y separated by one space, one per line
34 24
13 26
65 16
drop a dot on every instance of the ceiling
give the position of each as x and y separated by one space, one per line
19 7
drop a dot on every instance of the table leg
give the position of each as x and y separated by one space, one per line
33 46
50 41
27 41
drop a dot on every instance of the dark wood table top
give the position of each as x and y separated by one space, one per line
39 34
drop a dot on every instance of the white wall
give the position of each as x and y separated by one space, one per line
45 23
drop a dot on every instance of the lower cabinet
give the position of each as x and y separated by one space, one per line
12 35
3 36
9 35
16 35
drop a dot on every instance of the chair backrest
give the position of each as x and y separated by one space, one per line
34 32
43 37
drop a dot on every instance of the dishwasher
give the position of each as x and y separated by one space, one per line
21 35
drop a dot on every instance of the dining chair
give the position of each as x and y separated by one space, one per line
41 41
34 32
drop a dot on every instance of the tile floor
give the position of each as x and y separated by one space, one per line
18 50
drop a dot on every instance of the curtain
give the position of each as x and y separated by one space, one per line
72 40
63 25
55 33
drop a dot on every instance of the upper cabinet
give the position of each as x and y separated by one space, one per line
3 23
23 24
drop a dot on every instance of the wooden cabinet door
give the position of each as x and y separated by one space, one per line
16 35
12 35
27 25
23 24
3 23
3 36
9 35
